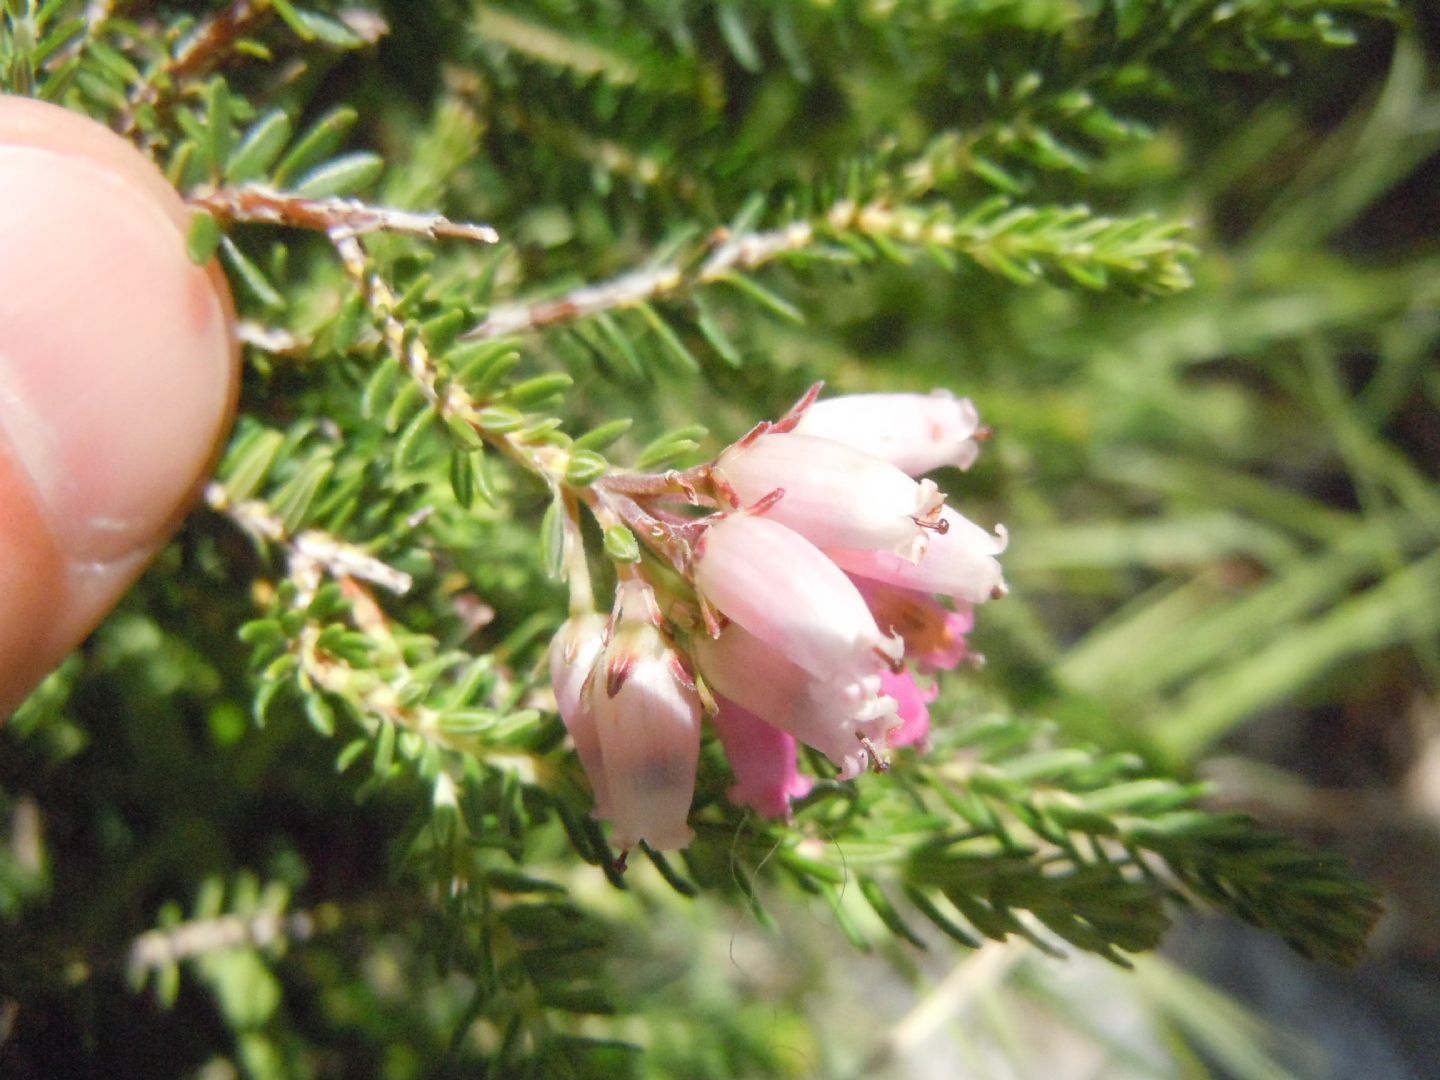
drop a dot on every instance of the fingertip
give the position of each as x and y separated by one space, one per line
31 579
118 376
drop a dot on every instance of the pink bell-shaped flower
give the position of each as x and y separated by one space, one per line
647 717
832 714
835 496
913 432
763 760
573 652
784 590
911 706
934 636
960 562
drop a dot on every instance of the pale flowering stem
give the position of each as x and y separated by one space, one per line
409 349
157 949
731 254
214 38
312 552
97 13
212 42
274 340
208 44
286 345
381 698
407 346
728 257
577 569
621 292
260 204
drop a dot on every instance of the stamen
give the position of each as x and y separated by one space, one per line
940 525
712 618
878 763
622 861
896 664
983 433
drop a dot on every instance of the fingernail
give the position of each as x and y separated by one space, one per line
115 373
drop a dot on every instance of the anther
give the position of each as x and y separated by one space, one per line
878 763
940 525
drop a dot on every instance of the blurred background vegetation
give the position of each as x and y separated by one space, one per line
1216 453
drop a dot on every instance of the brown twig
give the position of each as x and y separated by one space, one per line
410 350
313 553
259 204
205 47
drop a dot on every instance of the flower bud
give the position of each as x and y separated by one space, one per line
829 714
913 432
960 562
647 716
783 590
763 760
573 652
835 496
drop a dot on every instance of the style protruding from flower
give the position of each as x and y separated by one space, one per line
807 578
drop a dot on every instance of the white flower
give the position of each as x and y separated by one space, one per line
913 432
835 496
960 562
781 588
829 714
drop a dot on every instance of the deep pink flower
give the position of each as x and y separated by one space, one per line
913 432
934 636
910 705
960 562
573 652
830 714
647 716
835 496
763 760
782 589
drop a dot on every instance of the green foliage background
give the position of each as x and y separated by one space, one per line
1181 255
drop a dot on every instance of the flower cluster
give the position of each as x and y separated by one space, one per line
799 595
